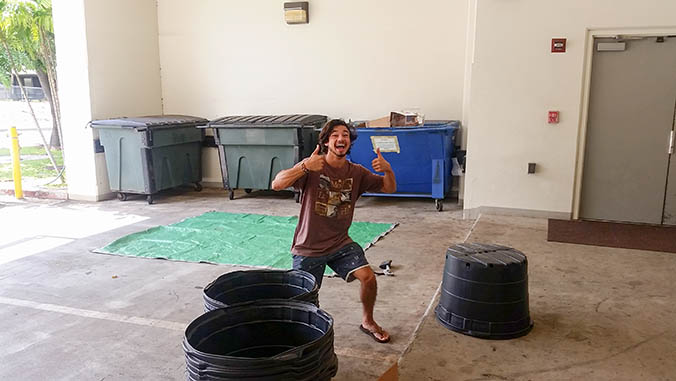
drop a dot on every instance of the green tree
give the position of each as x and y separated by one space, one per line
5 69
26 31
35 17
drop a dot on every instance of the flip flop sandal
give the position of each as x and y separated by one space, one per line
373 335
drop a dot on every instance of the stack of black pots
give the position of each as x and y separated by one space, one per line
246 286
281 335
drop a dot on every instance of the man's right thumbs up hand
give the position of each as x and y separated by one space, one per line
316 161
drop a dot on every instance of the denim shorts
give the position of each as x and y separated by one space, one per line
344 262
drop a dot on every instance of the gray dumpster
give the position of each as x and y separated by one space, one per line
148 154
253 149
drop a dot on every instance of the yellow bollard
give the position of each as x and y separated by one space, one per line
18 191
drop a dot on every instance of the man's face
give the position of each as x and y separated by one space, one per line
339 141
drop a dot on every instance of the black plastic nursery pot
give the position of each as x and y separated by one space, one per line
263 340
485 292
250 285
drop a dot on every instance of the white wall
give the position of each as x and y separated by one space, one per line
355 59
73 83
515 80
108 65
124 64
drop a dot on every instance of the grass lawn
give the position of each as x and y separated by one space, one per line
39 168
39 150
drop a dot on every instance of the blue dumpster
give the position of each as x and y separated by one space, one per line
421 157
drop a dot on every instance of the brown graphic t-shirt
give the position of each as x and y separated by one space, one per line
327 207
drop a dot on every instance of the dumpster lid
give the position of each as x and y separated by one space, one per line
430 125
151 121
267 120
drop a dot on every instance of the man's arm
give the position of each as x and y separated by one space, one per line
389 182
379 164
288 177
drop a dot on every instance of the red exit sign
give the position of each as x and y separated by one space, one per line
552 117
558 45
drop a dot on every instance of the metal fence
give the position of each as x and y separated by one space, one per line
14 93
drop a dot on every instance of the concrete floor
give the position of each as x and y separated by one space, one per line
69 314
599 313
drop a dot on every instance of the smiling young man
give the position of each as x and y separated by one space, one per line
330 186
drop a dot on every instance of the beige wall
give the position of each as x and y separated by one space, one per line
355 59
108 65
488 58
515 80
124 63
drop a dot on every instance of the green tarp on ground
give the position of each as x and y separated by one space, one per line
228 238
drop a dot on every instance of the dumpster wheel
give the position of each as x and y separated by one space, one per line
231 194
121 196
439 204
149 199
198 187
247 190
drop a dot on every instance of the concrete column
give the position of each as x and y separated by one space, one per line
108 66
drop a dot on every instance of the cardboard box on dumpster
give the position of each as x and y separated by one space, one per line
397 119
380 122
404 119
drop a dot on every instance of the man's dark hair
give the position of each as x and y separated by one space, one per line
328 128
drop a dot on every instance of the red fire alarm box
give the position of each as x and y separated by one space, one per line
558 45
553 117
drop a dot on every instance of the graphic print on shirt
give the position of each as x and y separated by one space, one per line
334 197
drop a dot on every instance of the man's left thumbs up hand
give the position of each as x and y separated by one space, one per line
379 164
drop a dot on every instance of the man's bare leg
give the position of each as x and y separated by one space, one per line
368 291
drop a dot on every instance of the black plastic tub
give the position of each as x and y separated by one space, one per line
250 285
484 292
262 340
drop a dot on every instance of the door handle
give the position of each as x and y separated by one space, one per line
670 149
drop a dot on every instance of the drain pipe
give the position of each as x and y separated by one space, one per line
16 167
